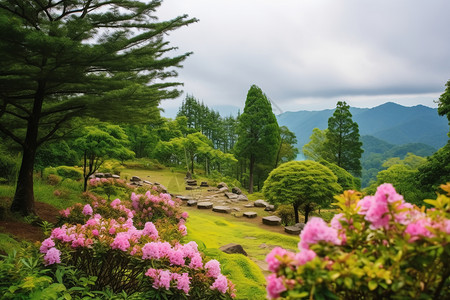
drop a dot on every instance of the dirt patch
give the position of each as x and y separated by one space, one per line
25 231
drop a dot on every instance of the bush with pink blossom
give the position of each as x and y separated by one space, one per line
378 247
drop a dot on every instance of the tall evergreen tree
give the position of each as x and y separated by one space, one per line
258 132
342 143
65 58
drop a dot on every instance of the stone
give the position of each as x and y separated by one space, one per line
188 175
249 205
99 175
204 184
271 220
157 183
163 189
189 188
236 190
222 209
108 175
231 196
191 182
236 209
250 214
233 249
116 176
292 229
261 203
147 182
221 185
184 198
242 197
191 203
204 205
135 178
224 189
300 225
270 207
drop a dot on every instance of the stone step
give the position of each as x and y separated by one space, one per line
292 230
250 214
204 205
271 220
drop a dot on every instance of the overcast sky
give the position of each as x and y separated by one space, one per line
308 54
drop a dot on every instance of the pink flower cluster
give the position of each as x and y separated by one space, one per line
164 278
317 230
179 255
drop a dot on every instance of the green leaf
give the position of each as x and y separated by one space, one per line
372 285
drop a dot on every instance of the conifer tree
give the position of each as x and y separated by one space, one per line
59 59
258 132
343 145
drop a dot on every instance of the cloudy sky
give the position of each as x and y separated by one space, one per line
308 54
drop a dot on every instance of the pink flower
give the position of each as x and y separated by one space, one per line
65 212
418 228
275 286
183 281
163 279
150 231
53 256
87 210
151 273
304 256
196 261
213 267
220 284
336 221
317 230
95 232
176 257
47 244
185 215
115 203
121 242
182 229
272 260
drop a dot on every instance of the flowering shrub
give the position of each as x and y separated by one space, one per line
161 209
378 247
133 246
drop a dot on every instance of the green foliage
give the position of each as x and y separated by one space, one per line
315 149
143 163
69 172
286 214
8 165
444 103
258 131
301 183
346 180
342 140
435 170
287 150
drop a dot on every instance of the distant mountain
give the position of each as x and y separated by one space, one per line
389 122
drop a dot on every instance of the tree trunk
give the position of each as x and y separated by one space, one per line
250 179
297 219
307 211
23 201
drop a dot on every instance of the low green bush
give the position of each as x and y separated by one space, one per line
69 172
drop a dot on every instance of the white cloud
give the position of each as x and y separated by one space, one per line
308 53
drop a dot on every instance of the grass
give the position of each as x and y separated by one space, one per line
8 244
215 231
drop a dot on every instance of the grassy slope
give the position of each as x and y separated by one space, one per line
215 231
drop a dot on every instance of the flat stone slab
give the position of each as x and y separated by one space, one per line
204 184
184 198
116 176
270 207
242 198
250 214
204 205
249 205
231 195
192 202
292 229
222 209
271 220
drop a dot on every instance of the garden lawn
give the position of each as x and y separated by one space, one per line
215 231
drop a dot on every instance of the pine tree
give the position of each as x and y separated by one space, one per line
343 145
60 59
258 132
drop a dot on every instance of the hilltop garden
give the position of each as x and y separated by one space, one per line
80 122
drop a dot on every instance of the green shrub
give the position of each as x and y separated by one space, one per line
8 167
143 163
286 213
69 172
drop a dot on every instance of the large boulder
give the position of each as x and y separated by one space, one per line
224 189
233 248
242 197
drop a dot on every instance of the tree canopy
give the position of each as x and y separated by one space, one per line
104 58
258 132
343 140
315 149
301 183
